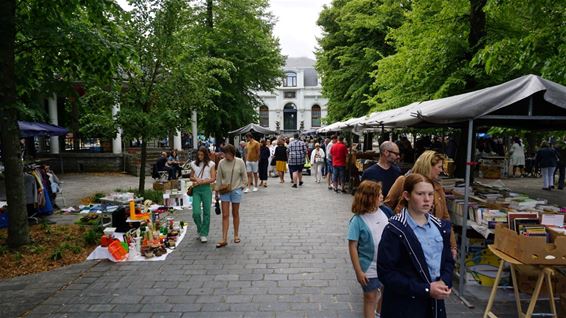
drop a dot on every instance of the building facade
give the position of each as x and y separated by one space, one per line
297 104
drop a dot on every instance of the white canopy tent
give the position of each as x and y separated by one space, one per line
528 102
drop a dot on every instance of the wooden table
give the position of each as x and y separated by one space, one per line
545 272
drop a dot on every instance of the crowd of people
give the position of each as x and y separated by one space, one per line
401 243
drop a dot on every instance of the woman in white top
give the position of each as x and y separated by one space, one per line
271 168
317 161
203 175
517 157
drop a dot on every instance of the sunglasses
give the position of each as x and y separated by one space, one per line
393 152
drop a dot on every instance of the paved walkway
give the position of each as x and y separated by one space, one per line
292 262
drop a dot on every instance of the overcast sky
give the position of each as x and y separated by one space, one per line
296 25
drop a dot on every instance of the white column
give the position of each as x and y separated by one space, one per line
52 105
194 130
117 140
177 140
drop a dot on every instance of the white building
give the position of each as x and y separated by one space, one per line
297 104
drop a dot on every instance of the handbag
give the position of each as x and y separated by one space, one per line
191 187
217 207
226 188
318 158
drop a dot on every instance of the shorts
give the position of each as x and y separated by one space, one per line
329 166
297 168
252 166
234 196
338 174
372 285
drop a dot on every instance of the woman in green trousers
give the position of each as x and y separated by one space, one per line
203 174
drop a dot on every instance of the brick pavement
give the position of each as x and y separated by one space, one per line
292 262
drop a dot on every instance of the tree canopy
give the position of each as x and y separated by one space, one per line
439 48
159 62
240 33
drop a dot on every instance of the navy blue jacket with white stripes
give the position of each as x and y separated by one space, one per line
402 268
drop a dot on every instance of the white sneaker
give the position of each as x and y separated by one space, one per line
203 239
254 189
246 190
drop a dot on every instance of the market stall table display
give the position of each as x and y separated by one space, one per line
103 253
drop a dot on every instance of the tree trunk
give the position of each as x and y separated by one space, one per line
209 16
18 232
477 24
143 159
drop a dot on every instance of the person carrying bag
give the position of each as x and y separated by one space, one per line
201 191
230 193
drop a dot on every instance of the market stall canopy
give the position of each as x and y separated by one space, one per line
33 129
310 132
253 127
525 102
329 128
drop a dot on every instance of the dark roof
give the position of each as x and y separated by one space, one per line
299 62
308 66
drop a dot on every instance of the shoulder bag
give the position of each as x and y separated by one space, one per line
191 187
226 187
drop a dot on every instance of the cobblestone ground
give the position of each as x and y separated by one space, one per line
292 262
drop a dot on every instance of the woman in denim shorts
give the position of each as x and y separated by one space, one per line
231 170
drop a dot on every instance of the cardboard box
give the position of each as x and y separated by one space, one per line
527 279
530 250
168 185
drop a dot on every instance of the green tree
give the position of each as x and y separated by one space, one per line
240 33
47 46
167 76
446 48
353 40
430 59
524 37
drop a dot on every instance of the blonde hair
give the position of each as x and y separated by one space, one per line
366 198
424 163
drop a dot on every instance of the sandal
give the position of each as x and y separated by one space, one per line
237 240
221 244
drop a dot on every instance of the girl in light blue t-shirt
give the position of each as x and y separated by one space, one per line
364 234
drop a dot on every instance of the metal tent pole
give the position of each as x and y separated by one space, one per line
464 243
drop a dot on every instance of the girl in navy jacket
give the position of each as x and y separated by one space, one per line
414 261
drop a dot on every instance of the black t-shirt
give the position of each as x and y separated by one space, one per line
160 164
386 177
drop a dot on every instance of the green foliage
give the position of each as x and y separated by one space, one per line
4 249
57 254
96 197
35 249
240 35
61 42
429 63
354 34
153 195
70 247
92 236
431 52
18 256
45 226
